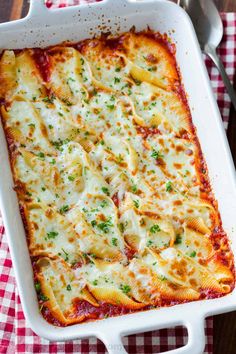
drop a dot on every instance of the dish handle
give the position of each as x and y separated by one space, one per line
112 338
39 9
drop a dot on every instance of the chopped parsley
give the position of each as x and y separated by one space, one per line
121 227
114 241
156 154
70 79
52 162
50 126
95 282
37 287
117 70
104 203
106 190
68 103
49 99
104 226
42 297
136 203
71 178
52 234
41 155
125 288
119 158
193 254
178 240
111 106
169 187
116 80
138 82
43 189
31 125
93 223
68 288
58 143
64 209
153 68
155 228
134 188
149 243
65 253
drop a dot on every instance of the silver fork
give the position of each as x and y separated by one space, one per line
209 29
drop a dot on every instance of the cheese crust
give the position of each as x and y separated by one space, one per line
111 181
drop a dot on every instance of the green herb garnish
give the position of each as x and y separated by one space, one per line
68 288
52 234
114 241
106 190
125 288
169 187
155 228
156 154
64 209
193 254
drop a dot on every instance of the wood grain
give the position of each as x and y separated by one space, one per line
224 325
16 9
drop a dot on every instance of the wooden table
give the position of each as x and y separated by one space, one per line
224 325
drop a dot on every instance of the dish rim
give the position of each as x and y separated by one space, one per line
140 321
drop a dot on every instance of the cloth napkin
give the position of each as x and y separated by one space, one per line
15 334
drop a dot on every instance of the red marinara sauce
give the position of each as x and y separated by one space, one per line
43 63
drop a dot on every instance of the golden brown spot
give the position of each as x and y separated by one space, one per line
56 178
43 130
102 217
35 225
180 268
143 271
177 202
49 213
151 58
193 282
179 148
177 165
78 119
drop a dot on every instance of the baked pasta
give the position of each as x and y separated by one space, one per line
111 181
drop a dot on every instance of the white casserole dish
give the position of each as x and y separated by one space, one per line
44 27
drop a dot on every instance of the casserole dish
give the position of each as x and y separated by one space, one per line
152 14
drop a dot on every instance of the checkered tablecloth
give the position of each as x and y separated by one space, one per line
15 334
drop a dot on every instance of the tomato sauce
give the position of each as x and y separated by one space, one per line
43 63
115 199
146 131
129 252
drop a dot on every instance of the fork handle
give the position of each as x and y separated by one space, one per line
211 52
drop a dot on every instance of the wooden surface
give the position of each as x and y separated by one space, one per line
224 325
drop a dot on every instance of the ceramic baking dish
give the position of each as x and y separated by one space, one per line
43 27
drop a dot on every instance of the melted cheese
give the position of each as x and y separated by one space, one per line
109 177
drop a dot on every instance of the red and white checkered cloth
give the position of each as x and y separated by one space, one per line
15 334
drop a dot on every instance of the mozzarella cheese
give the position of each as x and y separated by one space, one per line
110 177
